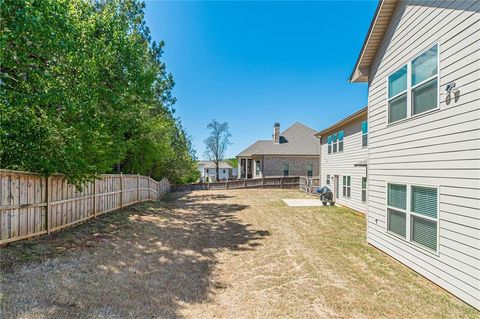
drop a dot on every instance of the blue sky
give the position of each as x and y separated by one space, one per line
252 64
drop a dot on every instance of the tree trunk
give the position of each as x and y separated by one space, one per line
216 170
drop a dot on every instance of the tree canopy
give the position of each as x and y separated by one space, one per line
84 91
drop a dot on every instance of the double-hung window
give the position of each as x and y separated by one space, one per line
364 189
340 141
412 213
364 133
413 89
328 179
346 186
309 170
285 169
334 141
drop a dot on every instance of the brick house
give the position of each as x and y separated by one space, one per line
293 152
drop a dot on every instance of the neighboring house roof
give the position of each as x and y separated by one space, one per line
254 148
348 119
210 164
298 139
374 38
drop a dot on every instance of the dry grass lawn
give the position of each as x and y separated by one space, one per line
217 254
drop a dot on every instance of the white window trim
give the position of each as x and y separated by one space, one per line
363 134
409 89
409 213
336 143
363 189
347 177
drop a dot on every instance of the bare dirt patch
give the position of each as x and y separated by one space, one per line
217 254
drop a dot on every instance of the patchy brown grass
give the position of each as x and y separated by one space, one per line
217 254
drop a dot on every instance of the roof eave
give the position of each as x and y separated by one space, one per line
344 121
375 33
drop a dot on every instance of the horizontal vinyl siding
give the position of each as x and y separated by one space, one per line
343 164
440 148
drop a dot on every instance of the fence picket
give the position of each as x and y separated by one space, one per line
32 205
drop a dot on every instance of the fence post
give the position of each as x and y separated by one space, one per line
244 183
138 187
49 205
121 190
263 182
226 184
281 182
95 198
149 193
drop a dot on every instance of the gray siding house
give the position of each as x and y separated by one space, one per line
293 152
422 64
343 164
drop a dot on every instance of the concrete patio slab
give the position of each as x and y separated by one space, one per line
302 202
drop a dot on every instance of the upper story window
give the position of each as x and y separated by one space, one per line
413 89
340 141
328 179
335 142
364 133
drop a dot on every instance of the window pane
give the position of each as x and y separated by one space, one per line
364 127
425 97
364 140
364 182
424 66
397 108
329 149
424 201
348 191
340 146
348 180
424 232
397 222
364 195
340 135
397 196
397 82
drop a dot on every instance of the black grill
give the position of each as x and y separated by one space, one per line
325 193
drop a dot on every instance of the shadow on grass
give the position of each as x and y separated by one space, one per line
145 261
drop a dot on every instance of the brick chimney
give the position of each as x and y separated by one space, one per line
276 133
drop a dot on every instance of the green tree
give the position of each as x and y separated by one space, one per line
84 91
216 143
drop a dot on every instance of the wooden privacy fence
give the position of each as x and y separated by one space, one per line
32 205
290 182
